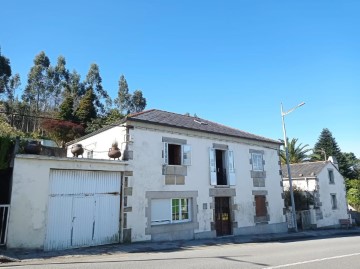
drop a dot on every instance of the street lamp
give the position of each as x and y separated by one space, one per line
283 114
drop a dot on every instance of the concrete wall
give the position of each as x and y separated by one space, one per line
30 194
147 164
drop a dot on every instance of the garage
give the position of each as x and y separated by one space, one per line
83 209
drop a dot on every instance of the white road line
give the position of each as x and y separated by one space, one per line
311 261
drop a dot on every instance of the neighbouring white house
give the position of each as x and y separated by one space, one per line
323 181
192 178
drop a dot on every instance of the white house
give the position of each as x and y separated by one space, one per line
325 183
192 178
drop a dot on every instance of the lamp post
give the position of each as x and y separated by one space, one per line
283 114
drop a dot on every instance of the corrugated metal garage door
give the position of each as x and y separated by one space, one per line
83 209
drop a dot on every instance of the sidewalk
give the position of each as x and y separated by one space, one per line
21 255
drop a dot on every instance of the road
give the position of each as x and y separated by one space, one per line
341 252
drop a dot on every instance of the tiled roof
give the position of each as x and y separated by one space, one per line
309 169
165 118
193 123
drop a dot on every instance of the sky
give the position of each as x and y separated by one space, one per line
233 62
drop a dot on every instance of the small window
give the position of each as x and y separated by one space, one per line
174 152
257 162
89 154
333 201
331 177
180 210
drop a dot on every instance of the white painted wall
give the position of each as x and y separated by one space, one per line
331 216
101 143
30 194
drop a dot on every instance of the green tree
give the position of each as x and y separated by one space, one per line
138 102
5 73
123 100
297 153
126 102
353 165
327 146
94 81
353 193
86 110
66 109
39 92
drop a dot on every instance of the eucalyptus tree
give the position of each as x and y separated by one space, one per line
93 81
127 102
123 99
297 153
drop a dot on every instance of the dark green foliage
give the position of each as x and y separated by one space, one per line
66 110
6 144
86 110
123 99
94 81
129 103
5 73
302 198
353 193
353 164
138 102
113 116
327 146
297 153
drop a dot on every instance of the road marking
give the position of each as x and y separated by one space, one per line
311 261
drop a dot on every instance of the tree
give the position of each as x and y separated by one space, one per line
123 100
297 153
327 146
94 81
353 165
138 102
353 193
129 103
86 110
40 88
62 131
302 198
5 73
66 109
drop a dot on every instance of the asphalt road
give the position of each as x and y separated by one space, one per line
341 252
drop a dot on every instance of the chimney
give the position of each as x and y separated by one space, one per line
334 161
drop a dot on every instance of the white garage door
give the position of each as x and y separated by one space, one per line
83 209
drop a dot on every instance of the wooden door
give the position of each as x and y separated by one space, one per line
222 216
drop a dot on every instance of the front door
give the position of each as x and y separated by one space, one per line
222 216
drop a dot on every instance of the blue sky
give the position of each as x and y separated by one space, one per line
232 62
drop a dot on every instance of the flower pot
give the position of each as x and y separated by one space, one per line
77 150
114 153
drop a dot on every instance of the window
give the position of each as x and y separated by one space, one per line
167 211
222 169
180 210
175 154
89 154
333 201
331 176
257 161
